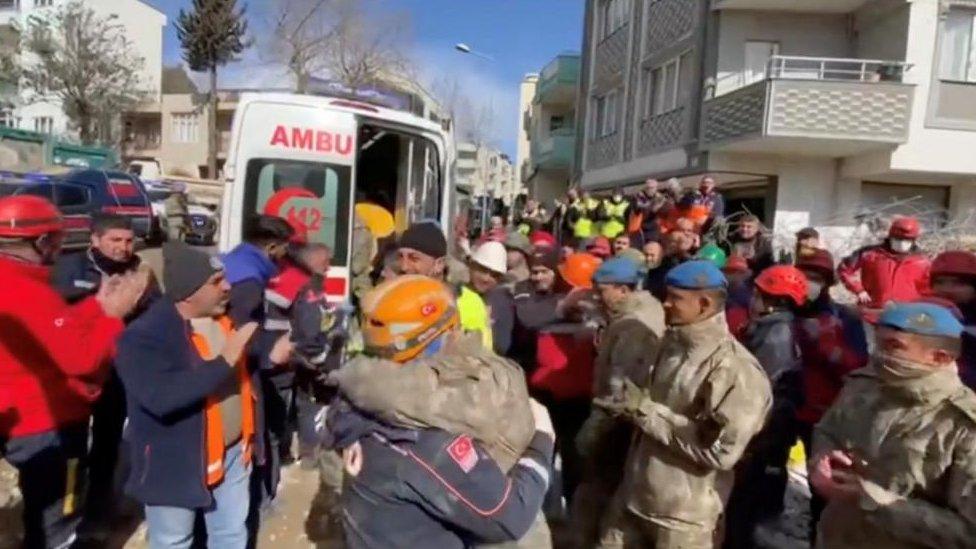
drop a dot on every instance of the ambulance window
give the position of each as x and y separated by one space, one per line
425 196
312 195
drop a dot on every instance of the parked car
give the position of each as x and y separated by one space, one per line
201 225
119 193
74 201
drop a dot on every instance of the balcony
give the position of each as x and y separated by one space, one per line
814 107
139 144
805 6
558 81
555 151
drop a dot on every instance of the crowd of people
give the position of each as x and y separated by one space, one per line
611 371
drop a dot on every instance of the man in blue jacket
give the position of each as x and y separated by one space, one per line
190 406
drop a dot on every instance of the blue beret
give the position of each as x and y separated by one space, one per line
698 274
617 271
921 318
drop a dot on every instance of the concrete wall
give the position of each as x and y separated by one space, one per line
930 149
813 35
881 31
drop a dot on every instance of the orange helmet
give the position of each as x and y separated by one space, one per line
402 316
784 281
578 269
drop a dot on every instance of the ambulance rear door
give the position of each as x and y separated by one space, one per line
295 160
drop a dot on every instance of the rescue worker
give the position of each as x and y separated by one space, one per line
191 406
582 214
176 212
517 249
439 387
625 352
954 278
707 196
748 241
53 358
895 270
620 243
739 303
642 215
253 263
533 217
488 265
77 276
761 475
705 399
600 247
422 250
535 306
895 456
832 345
613 215
542 239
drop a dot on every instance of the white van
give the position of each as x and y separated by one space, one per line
310 159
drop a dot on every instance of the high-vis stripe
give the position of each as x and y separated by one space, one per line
70 485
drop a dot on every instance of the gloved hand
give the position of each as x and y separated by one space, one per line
626 404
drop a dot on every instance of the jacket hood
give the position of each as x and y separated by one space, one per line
247 261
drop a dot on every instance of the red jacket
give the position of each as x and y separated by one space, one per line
884 275
52 356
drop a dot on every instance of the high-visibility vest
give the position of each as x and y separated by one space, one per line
584 227
473 315
615 224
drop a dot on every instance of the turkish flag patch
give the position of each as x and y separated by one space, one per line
463 453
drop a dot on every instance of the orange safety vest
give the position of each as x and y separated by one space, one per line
213 426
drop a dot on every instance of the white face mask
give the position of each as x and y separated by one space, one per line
901 246
813 290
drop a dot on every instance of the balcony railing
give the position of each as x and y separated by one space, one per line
554 151
558 80
831 68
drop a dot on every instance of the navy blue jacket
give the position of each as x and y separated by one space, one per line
78 275
430 488
167 384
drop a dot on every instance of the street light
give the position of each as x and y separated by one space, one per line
464 48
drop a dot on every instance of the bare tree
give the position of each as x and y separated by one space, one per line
82 61
300 37
473 123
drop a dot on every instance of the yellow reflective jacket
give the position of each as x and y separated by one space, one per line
474 315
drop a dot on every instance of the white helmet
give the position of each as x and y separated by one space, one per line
492 256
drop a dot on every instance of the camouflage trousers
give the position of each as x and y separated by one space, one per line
626 530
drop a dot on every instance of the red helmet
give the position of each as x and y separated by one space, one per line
27 216
736 264
955 262
904 227
600 247
784 281
542 238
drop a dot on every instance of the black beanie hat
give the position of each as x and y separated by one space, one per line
186 269
425 237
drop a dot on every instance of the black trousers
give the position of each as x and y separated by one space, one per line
53 478
108 418
817 503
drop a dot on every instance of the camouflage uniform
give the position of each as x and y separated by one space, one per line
915 440
627 348
707 398
361 261
465 388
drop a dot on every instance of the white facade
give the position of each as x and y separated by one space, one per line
484 171
812 112
143 26
526 95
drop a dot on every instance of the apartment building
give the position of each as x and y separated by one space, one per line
548 124
806 111
142 24
484 171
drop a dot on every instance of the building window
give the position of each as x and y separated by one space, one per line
613 15
8 120
605 114
662 86
556 123
43 124
186 128
958 52
43 3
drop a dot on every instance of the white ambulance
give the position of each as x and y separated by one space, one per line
310 159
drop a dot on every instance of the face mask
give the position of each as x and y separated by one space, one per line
617 198
813 290
901 246
894 370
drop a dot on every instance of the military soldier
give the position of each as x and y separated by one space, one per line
705 399
627 347
896 454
